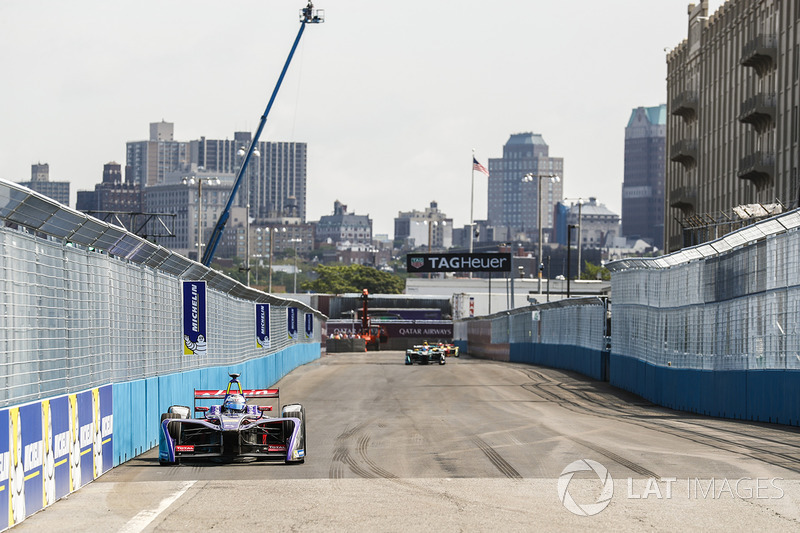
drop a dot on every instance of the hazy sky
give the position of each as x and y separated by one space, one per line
391 97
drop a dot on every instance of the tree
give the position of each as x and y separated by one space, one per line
592 271
338 279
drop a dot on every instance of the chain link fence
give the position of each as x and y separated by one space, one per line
84 303
732 304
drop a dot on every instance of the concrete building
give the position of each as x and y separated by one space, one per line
151 160
40 182
733 93
430 228
598 224
513 200
197 198
341 227
276 173
113 195
643 180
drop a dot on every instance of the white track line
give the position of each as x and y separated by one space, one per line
145 518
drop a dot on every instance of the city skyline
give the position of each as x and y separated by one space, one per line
390 121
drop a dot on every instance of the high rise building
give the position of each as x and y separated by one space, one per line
40 182
514 199
276 173
733 91
150 161
643 181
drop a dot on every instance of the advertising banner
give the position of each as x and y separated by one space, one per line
262 325
309 325
291 322
465 262
195 340
51 448
432 331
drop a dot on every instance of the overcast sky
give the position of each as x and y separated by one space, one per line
391 97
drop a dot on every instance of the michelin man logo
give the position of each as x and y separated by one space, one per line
197 348
49 462
16 479
97 435
586 509
74 445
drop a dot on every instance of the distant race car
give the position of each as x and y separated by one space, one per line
233 429
424 354
449 349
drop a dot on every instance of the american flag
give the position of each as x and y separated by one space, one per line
477 166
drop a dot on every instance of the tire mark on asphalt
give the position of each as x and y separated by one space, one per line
363 444
496 459
641 414
617 458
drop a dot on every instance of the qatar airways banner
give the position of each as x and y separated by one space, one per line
458 262
433 331
195 341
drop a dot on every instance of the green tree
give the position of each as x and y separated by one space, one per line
338 279
592 271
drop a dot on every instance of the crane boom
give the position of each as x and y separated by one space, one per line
308 15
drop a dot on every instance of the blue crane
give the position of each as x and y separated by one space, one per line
308 15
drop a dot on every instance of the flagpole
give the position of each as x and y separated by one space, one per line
472 204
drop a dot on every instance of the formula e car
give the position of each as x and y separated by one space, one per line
233 429
424 354
449 349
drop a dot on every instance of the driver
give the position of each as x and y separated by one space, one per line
234 403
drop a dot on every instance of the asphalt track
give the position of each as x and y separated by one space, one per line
472 445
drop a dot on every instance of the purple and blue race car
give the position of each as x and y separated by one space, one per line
233 429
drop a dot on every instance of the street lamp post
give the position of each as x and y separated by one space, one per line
553 179
241 153
570 227
272 232
190 181
295 241
580 244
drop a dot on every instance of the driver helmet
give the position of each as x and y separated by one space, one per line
234 403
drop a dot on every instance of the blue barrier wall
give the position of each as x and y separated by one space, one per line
757 395
138 405
576 358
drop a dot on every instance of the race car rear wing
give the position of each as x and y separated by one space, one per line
202 394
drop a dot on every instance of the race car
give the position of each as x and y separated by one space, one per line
449 349
424 354
233 429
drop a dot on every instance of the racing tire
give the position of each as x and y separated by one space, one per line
442 359
408 360
174 431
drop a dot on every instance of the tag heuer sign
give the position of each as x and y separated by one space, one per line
458 263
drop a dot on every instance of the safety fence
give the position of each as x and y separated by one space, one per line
711 329
570 334
94 344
